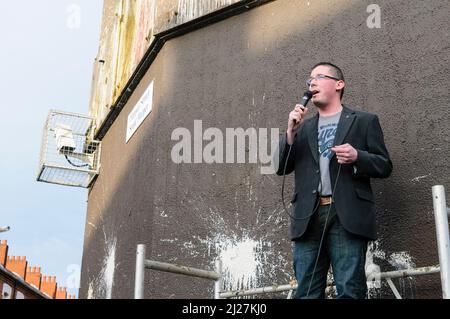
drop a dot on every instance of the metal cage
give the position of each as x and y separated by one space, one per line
69 155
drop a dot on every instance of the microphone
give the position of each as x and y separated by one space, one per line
305 98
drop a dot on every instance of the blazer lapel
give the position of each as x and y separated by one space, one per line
312 137
345 122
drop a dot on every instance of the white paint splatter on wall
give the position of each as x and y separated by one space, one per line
101 286
90 294
240 262
373 270
250 256
107 273
401 260
398 260
243 260
418 178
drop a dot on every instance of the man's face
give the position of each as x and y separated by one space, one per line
324 90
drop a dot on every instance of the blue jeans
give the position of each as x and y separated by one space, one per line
345 251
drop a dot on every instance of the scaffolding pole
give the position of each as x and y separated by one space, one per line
442 235
140 272
218 282
142 263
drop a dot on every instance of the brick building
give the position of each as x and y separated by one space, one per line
20 281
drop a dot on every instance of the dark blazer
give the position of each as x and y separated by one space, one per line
353 197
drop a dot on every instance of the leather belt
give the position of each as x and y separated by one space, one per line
325 200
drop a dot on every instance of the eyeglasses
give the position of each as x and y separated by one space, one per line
319 77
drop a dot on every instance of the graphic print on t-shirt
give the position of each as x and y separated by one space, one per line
326 136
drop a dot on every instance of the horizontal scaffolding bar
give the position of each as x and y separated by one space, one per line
280 288
183 270
410 272
256 291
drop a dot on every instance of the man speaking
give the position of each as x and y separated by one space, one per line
334 155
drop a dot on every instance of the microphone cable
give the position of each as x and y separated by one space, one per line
324 230
314 210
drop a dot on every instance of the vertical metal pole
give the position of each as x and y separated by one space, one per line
218 282
140 272
442 233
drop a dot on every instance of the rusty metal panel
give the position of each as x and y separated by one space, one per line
172 13
127 31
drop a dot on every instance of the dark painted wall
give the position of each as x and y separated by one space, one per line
249 71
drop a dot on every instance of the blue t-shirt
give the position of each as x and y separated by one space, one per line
326 131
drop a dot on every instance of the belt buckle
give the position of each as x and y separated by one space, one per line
325 200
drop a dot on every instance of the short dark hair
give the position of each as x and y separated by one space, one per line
337 72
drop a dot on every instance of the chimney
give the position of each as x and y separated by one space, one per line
33 276
17 265
48 286
3 252
61 293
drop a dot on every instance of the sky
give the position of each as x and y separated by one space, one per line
46 62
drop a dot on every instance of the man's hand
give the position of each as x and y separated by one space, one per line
345 154
296 118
